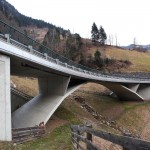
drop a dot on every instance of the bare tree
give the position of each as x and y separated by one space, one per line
109 40
116 40
134 43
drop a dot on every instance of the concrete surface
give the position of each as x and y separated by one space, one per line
5 100
52 92
18 99
123 92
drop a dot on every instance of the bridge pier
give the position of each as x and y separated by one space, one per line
52 91
5 100
129 91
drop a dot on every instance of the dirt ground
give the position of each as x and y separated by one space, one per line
53 123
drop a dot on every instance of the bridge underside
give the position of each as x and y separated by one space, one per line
53 89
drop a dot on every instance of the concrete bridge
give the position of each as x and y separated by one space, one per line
57 77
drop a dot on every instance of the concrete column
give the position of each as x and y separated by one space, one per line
52 91
144 91
5 101
53 85
133 87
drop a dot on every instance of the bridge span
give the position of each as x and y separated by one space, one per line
57 77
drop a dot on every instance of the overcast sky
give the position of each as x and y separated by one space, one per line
127 19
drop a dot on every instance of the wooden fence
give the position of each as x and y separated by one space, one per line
27 134
85 133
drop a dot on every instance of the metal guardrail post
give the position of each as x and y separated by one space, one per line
30 48
66 65
46 55
7 36
57 61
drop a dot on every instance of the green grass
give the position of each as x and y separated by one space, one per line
65 114
133 105
135 118
59 139
104 105
140 61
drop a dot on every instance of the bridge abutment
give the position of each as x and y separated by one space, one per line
5 99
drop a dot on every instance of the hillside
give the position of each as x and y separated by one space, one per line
33 27
140 61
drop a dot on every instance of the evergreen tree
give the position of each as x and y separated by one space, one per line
95 33
97 56
99 61
102 36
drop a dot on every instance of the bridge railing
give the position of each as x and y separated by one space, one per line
20 38
82 133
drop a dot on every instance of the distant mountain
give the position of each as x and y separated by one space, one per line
137 47
9 14
54 37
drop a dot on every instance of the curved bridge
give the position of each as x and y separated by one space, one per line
57 76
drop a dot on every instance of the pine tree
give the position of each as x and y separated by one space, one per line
95 33
97 56
102 36
99 61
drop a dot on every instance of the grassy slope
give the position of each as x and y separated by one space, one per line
140 61
133 116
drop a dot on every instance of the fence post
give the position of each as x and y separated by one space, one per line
89 137
77 140
78 132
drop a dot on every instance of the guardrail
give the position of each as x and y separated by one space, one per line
20 39
85 133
